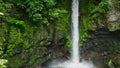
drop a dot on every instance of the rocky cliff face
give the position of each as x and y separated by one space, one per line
101 47
114 16
26 43
104 43
45 43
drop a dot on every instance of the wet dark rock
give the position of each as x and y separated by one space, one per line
100 46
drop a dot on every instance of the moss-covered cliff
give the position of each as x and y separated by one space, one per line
32 32
102 44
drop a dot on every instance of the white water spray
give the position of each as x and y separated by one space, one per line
74 61
75 31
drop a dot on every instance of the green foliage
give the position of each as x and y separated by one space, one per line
69 42
50 3
116 4
5 7
20 15
54 13
85 25
63 18
91 12
2 61
95 9
116 48
15 21
38 10
100 8
16 62
110 64
17 39
2 39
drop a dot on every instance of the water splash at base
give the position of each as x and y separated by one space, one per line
70 64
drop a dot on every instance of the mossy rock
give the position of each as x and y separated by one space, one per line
16 62
114 26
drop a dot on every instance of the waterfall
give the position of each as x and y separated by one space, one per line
74 61
75 31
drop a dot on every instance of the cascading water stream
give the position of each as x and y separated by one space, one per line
74 61
75 31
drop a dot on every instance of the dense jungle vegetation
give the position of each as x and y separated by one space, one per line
31 29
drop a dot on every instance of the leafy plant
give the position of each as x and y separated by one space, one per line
110 64
100 8
2 61
38 10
